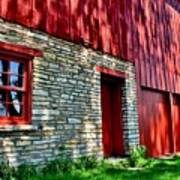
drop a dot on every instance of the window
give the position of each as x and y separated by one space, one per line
15 89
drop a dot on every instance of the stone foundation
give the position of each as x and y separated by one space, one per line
66 101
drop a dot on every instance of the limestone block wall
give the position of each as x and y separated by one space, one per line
66 100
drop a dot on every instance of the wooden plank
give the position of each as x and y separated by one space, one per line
111 96
123 29
52 17
154 79
95 24
176 121
8 9
39 14
142 66
155 120
111 72
106 119
64 19
85 22
18 49
24 12
148 72
104 31
75 19
161 72
129 26
177 75
113 18
90 24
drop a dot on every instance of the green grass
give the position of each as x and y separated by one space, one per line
157 170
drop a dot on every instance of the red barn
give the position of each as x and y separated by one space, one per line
98 76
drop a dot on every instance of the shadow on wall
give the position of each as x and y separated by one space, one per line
156 45
130 29
89 22
155 123
174 3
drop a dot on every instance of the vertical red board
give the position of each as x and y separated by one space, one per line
177 75
123 29
106 118
39 14
148 72
153 74
104 26
24 12
90 23
176 119
84 21
64 19
75 19
94 26
117 129
155 124
142 70
8 9
52 17
114 27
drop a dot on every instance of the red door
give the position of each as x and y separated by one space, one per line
176 116
155 123
112 116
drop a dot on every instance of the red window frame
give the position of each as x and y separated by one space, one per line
26 89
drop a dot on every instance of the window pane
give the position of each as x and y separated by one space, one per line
3 70
2 96
15 109
16 81
2 103
16 68
2 109
3 66
15 97
15 103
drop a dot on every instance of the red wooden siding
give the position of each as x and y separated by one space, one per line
64 19
176 116
159 47
39 14
130 29
155 123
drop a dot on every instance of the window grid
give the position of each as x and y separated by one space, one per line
20 87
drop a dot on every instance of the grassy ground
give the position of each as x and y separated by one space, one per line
157 170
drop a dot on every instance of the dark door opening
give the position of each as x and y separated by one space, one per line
111 96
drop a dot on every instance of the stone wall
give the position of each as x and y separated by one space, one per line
66 100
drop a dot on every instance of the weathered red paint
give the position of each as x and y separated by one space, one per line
21 50
112 116
111 72
176 116
155 123
24 12
130 29
159 57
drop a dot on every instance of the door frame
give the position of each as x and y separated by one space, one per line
119 78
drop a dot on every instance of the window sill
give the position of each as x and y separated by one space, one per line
21 128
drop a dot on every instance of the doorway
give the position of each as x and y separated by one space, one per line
111 96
